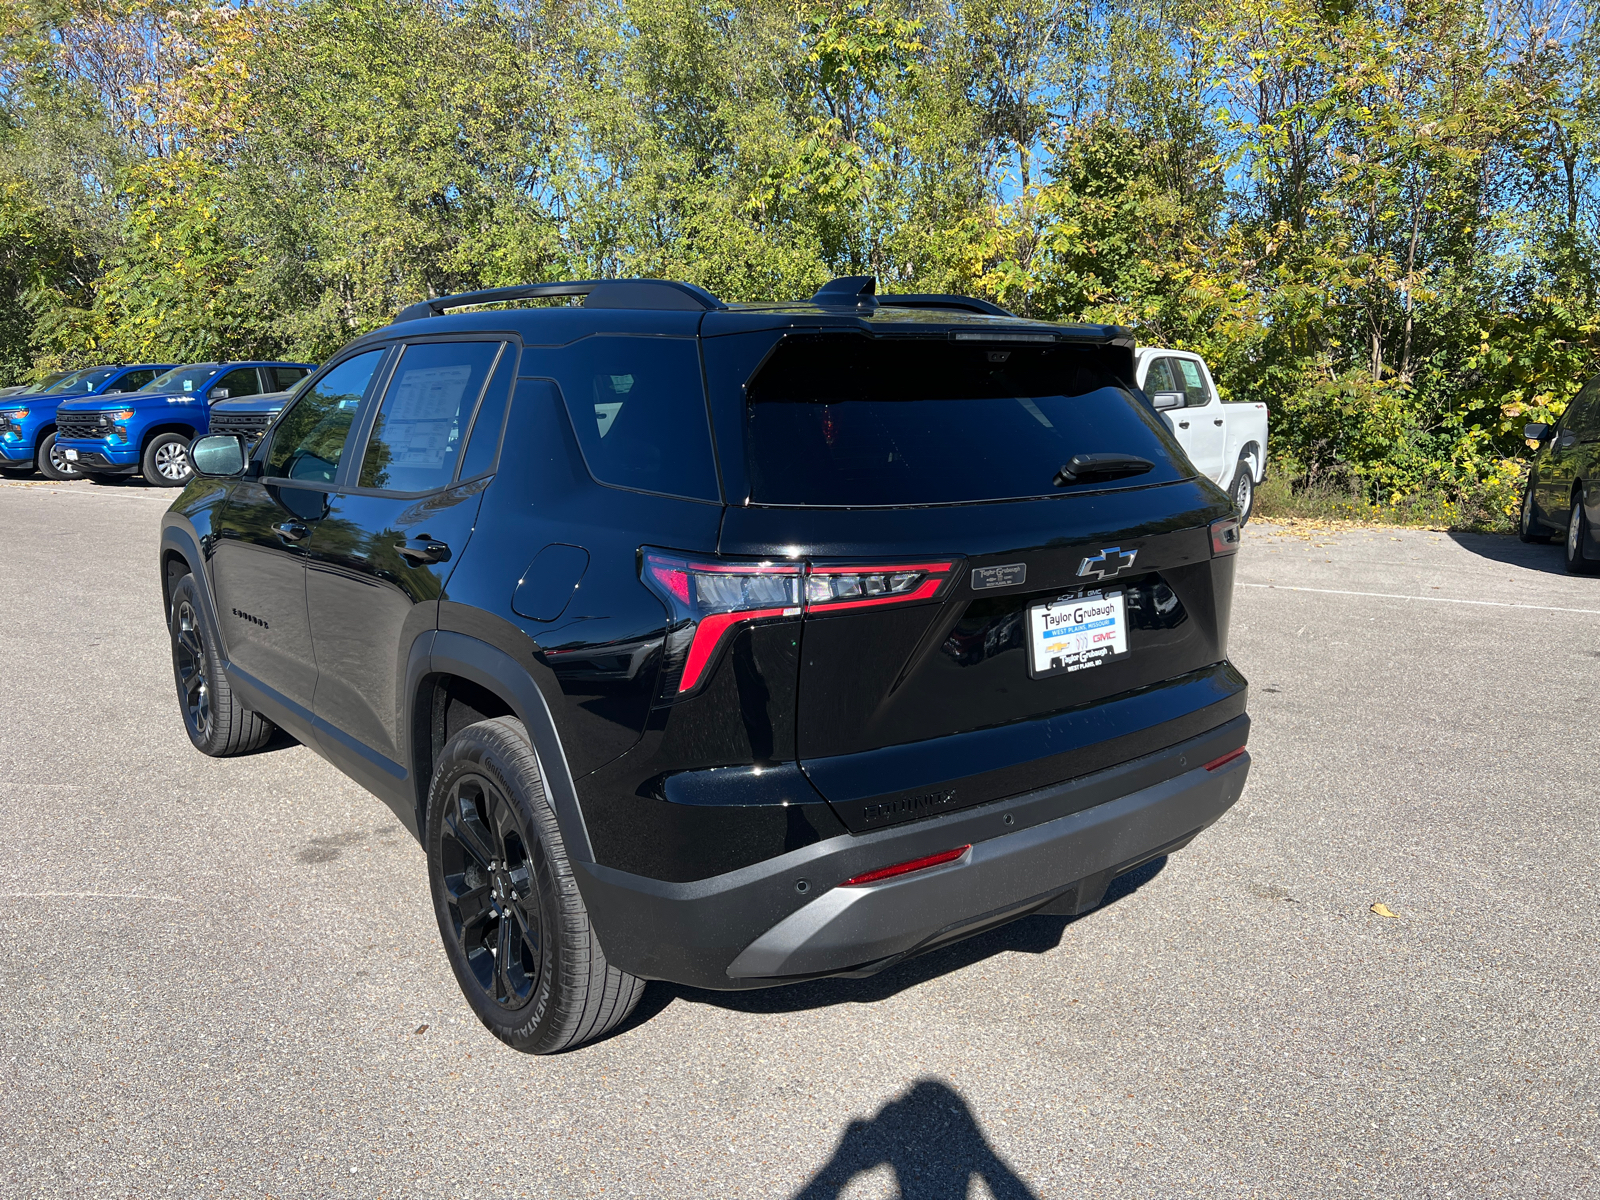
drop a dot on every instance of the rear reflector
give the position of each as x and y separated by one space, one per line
1218 763
905 868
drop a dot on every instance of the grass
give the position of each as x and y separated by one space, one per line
1279 498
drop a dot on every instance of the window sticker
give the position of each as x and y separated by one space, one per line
420 423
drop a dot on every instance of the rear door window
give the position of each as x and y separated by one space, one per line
284 378
241 381
432 394
1191 382
308 440
843 419
639 409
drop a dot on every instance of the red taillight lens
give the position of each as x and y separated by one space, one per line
1224 536
905 868
1216 764
710 597
707 599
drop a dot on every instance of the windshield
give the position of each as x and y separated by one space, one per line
182 379
81 383
842 419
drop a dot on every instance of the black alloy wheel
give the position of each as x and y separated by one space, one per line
1528 527
189 661
1243 491
1578 560
493 907
515 928
217 724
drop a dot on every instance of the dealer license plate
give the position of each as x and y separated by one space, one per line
1076 633
72 455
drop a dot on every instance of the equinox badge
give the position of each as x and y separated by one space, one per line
1111 561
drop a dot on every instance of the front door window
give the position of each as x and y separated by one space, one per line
310 438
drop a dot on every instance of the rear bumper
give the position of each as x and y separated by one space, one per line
1052 850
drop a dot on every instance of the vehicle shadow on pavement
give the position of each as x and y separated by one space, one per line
1513 552
930 1140
1028 935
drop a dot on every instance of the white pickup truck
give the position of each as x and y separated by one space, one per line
1226 442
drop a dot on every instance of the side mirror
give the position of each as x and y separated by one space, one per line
218 456
219 394
1167 400
1535 431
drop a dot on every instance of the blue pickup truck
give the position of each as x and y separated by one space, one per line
28 415
150 430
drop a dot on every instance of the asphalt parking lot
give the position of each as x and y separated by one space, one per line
224 978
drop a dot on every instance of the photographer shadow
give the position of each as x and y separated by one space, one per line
930 1140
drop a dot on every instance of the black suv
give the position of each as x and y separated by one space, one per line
732 645
1564 467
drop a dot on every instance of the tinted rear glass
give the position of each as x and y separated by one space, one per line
842 419
639 409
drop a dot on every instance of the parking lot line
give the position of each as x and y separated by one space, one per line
1280 587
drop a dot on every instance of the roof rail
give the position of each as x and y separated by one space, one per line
856 291
942 300
600 293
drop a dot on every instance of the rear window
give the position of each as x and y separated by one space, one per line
639 409
843 419
284 378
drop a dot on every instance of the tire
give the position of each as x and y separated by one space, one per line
515 930
217 723
1243 491
50 462
1529 528
1578 561
166 461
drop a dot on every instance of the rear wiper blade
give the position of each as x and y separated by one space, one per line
1081 467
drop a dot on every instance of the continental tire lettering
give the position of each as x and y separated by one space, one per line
907 807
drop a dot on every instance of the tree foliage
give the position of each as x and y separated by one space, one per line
1381 218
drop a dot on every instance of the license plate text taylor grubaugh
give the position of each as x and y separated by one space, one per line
1077 632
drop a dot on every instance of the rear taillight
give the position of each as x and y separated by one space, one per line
830 587
711 598
1224 536
905 868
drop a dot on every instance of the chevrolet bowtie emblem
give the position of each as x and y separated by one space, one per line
1111 561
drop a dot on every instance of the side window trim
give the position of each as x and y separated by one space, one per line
264 445
506 348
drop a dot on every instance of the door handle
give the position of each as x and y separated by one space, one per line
1217 421
290 531
1183 424
419 551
